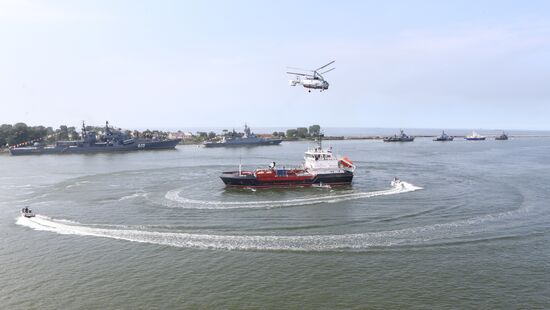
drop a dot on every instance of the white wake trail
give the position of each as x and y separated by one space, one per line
359 241
206 241
187 203
132 196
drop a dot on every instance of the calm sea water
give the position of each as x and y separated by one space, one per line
158 230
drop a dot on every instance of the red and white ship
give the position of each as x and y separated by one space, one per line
320 167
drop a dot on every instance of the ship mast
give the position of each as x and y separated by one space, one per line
83 130
320 140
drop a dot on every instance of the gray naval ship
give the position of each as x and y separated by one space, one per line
503 136
110 141
402 137
444 137
247 139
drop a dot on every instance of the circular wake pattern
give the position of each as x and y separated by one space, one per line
187 203
473 228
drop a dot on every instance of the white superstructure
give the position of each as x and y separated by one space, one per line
475 136
320 161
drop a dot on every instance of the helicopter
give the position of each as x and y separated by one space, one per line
311 81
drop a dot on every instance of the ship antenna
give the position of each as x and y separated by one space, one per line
240 165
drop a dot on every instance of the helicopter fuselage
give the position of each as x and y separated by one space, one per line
310 83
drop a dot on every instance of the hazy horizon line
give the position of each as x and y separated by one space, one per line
280 128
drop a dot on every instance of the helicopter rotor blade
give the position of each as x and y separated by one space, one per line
299 73
300 69
330 63
327 71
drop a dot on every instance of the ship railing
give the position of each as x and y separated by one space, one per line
281 167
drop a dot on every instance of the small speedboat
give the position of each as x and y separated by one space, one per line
396 182
26 212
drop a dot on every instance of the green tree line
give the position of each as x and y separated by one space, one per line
21 133
303 132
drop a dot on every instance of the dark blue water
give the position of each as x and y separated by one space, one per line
470 229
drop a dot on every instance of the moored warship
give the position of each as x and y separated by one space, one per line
444 137
502 136
110 141
399 138
247 139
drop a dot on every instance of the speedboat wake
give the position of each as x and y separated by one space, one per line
187 203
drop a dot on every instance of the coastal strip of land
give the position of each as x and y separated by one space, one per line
20 134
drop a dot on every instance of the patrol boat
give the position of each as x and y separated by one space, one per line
401 138
444 137
247 139
503 136
111 141
320 168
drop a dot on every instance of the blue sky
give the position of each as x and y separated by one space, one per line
181 64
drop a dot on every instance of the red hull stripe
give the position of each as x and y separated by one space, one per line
287 185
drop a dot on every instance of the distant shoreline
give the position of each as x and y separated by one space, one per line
416 136
350 138
375 137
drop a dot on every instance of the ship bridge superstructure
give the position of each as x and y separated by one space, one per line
318 160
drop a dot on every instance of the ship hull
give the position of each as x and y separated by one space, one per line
234 179
239 144
136 145
399 140
443 139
